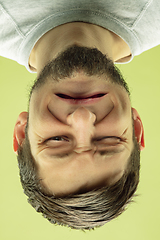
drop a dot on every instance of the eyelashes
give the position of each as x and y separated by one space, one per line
110 140
57 138
63 146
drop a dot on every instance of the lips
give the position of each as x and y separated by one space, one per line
64 96
81 99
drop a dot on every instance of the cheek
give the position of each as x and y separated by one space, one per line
111 125
60 109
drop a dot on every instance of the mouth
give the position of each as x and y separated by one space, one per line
81 99
64 96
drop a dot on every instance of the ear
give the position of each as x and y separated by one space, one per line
138 127
19 130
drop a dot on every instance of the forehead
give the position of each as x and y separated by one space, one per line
66 170
72 177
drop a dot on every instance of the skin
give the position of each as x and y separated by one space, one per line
96 134
77 33
83 144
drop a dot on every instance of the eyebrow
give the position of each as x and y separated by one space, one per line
102 153
107 152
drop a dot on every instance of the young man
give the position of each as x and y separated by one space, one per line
78 145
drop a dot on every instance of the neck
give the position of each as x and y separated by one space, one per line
77 33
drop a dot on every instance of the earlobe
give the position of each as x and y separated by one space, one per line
19 130
138 127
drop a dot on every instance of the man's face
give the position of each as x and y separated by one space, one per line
80 129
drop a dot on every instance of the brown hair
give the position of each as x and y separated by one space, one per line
79 211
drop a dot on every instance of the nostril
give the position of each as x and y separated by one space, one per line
81 117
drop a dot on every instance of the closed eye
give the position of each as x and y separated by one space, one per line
109 140
109 145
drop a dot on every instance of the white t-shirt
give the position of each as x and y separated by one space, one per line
22 23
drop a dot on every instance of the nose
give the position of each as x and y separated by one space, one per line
82 122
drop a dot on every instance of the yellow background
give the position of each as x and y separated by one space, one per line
141 221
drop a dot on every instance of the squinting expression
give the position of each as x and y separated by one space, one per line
80 132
